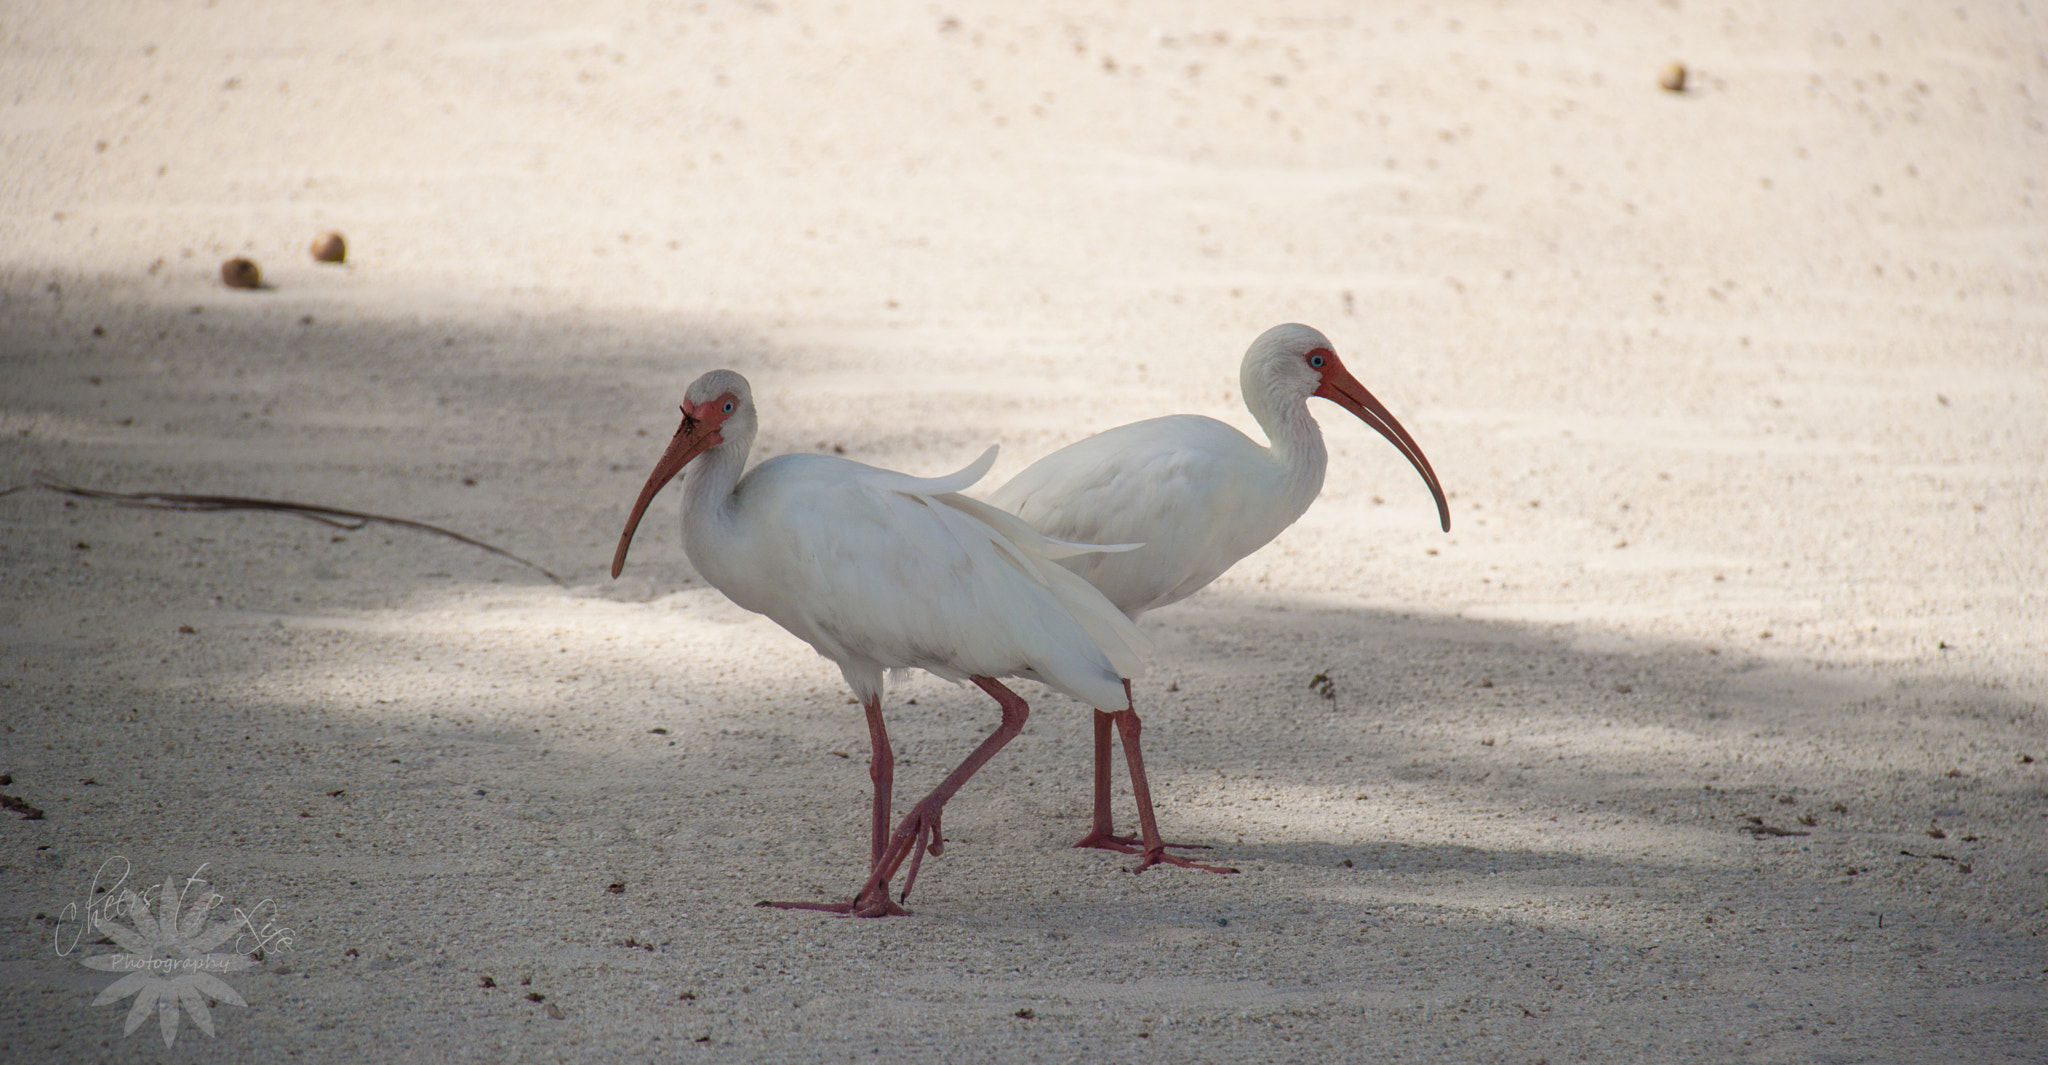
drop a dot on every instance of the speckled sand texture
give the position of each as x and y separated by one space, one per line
1716 730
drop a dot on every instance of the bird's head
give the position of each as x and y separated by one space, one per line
1289 363
717 407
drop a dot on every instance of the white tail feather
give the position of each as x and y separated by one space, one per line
1035 553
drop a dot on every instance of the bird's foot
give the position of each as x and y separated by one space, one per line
924 838
1103 839
920 835
873 901
1107 840
878 905
1158 856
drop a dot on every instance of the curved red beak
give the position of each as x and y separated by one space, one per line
692 438
1341 388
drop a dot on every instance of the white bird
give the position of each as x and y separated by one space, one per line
879 570
1198 496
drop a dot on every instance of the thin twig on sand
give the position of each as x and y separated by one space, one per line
335 516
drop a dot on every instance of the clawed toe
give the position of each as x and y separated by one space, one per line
1160 857
1109 841
878 906
881 906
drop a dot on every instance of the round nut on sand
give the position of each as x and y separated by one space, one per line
240 273
1672 77
328 247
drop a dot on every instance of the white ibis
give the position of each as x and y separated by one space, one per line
1198 495
879 570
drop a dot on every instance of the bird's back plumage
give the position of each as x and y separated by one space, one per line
1198 494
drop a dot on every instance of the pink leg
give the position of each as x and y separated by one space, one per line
1103 835
882 771
1155 849
920 832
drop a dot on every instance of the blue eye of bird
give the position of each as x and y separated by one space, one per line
1316 361
728 406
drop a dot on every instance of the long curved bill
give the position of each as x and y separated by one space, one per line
1344 390
691 439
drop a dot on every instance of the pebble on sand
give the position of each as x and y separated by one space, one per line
1672 77
239 272
329 247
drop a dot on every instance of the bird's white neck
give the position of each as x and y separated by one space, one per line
707 493
1297 450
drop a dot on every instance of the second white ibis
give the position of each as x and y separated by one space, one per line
1198 495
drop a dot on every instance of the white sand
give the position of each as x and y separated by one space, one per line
1739 395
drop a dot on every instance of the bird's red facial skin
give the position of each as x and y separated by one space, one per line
710 414
1341 388
1335 378
698 433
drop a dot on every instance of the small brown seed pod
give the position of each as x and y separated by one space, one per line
1672 77
328 247
240 273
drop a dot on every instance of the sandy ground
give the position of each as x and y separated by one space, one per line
1713 731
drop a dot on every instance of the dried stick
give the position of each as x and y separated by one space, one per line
335 516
